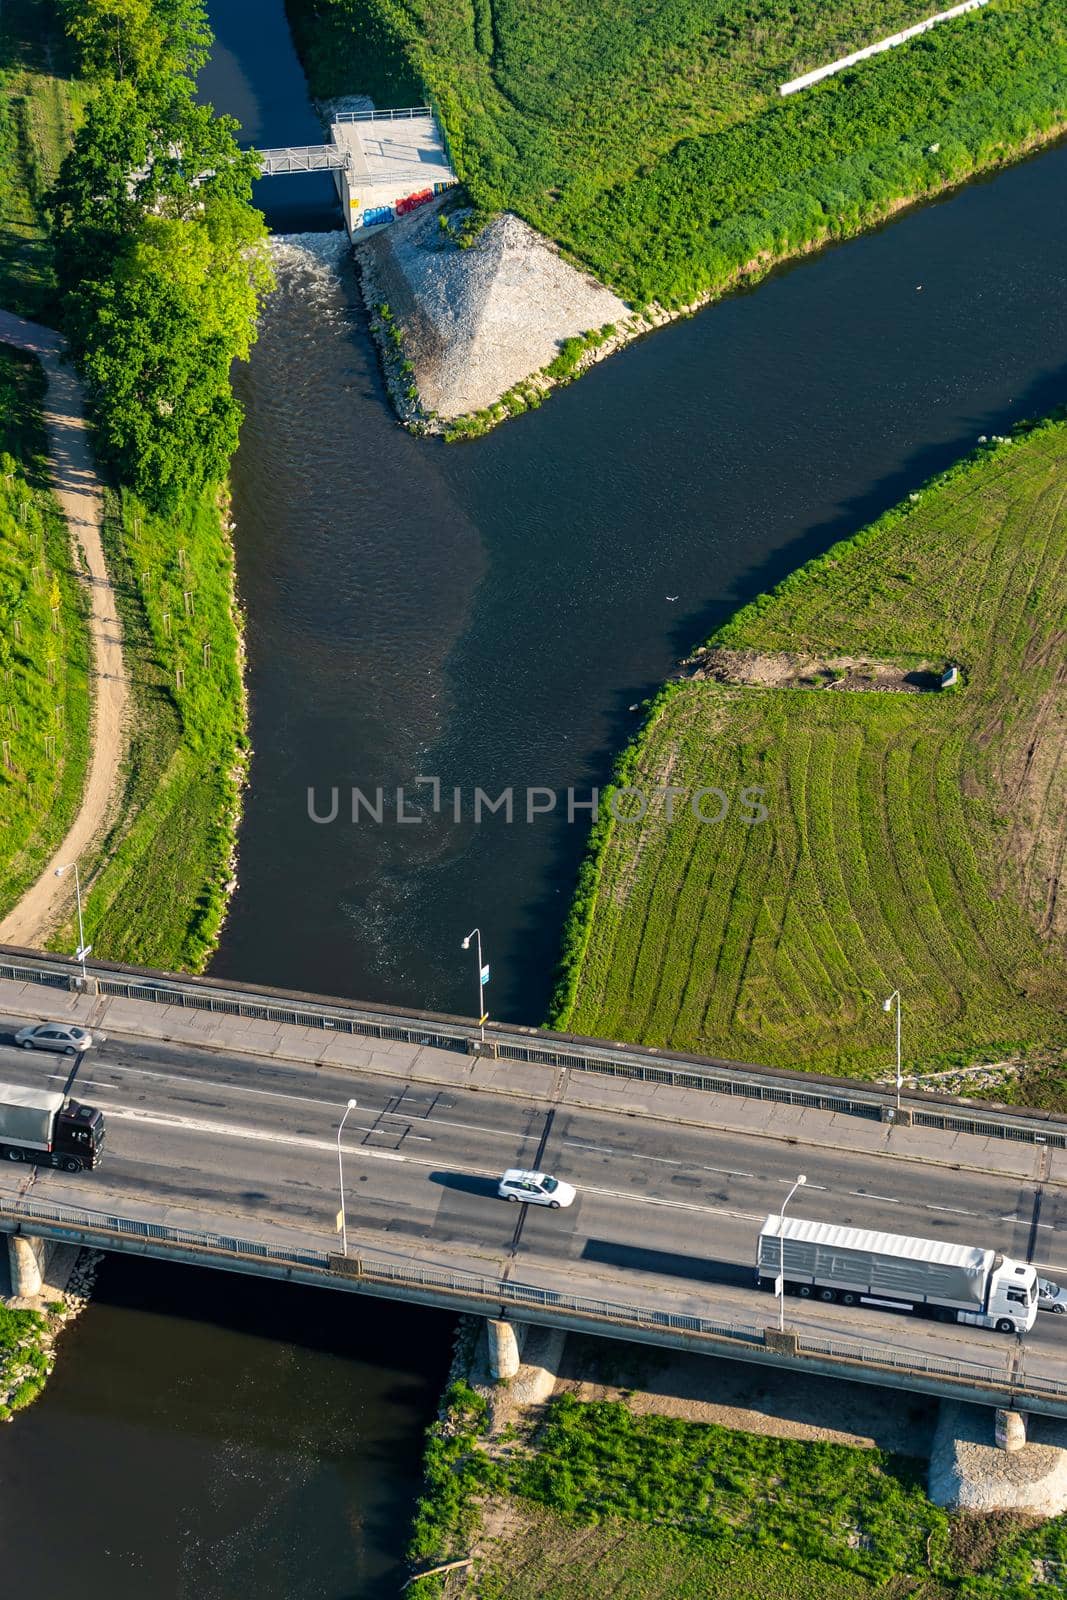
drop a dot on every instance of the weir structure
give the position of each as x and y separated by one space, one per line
385 163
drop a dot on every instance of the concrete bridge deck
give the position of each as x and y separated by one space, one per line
221 1149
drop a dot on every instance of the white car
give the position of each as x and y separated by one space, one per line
1051 1296
536 1188
62 1036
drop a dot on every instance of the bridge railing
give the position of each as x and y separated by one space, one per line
405 114
113 1232
540 1047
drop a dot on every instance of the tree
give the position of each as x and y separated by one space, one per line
134 40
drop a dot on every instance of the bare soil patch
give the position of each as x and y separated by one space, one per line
784 1405
787 669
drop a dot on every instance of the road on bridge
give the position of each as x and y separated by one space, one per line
667 1214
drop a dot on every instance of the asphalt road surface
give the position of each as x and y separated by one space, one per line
241 1145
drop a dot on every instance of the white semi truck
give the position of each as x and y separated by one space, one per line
954 1282
42 1125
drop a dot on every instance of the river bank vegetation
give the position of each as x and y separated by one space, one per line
654 148
915 840
44 644
145 249
40 104
595 1499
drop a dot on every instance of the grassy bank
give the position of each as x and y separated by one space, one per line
598 1500
40 103
655 148
158 283
160 898
24 1361
44 645
914 840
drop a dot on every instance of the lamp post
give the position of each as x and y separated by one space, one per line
83 948
887 1005
483 979
351 1106
801 1180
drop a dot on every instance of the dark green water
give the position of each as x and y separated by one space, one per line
211 1437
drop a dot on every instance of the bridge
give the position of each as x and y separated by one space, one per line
223 1104
303 158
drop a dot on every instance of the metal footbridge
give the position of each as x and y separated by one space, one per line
303 158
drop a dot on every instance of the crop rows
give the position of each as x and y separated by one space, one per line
906 846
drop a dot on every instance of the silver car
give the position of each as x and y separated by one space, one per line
1051 1296
62 1036
536 1188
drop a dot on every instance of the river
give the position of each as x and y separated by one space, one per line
487 614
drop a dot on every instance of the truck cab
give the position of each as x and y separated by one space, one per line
1012 1295
78 1137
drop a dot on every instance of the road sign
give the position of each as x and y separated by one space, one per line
339 1222
779 1286
485 974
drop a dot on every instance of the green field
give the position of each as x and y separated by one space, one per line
594 1500
44 643
914 840
650 140
160 899
40 103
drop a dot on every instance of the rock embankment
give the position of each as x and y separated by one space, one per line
969 1472
474 319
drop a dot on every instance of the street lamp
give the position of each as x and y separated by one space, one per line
351 1106
887 1005
483 979
801 1180
83 948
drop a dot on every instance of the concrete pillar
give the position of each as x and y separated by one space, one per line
782 1340
503 1348
1010 1430
27 1259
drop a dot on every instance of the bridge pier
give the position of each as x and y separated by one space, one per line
504 1358
28 1259
1010 1430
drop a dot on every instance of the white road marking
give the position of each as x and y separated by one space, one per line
200 1085
676 1205
265 1136
863 1195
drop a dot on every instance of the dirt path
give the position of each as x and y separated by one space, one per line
78 491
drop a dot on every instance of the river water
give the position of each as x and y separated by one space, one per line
486 614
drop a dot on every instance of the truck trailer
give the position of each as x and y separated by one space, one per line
42 1125
855 1266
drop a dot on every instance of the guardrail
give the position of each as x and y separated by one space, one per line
405 114
538 1046
113 1232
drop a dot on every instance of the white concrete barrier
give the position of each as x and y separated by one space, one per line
894 39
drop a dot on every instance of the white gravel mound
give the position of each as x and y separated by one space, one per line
969 1473
479 320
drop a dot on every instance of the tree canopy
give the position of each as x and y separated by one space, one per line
161 254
